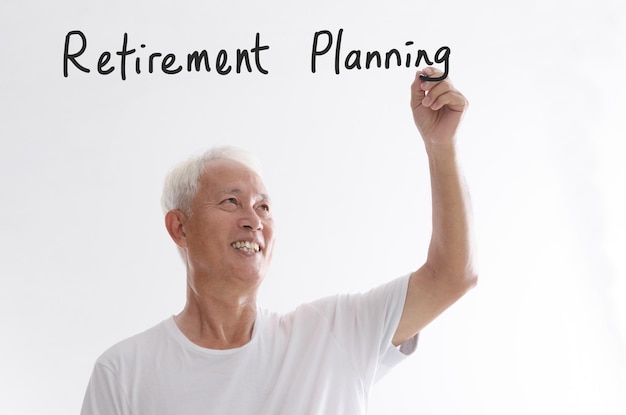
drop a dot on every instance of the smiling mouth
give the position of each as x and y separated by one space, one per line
246 246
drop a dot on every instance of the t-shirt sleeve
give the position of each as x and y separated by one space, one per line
104 395
365 324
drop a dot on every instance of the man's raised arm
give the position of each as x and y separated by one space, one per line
449 271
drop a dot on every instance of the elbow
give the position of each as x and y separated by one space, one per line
471 280
463 280
454 268
468 276
457 280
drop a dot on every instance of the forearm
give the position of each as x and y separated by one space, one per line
450 254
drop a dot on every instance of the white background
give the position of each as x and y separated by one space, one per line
85 260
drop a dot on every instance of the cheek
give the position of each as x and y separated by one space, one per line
268 235
203 235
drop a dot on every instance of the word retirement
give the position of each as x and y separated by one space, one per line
326 52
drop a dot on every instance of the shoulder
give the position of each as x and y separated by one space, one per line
133 347
386 295
384 302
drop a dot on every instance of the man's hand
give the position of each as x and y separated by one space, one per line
437 108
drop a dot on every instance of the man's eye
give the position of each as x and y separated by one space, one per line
264 207
229 203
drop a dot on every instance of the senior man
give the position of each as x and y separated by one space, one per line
223 354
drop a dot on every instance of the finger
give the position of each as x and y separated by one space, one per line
453 99
431 74
433 93
437 89
433 88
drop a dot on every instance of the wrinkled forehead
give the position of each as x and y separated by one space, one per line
223 175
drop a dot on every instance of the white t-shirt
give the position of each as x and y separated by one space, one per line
322 358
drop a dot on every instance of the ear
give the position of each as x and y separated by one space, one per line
174 220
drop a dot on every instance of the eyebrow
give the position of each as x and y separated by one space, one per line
237 191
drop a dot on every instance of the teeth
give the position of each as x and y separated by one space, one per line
246 246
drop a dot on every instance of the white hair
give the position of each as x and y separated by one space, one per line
183 182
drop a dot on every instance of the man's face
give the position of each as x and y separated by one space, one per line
230 232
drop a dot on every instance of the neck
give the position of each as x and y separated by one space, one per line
217 319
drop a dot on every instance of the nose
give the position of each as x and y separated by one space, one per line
250 220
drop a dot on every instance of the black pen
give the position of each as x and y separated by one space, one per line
429 79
